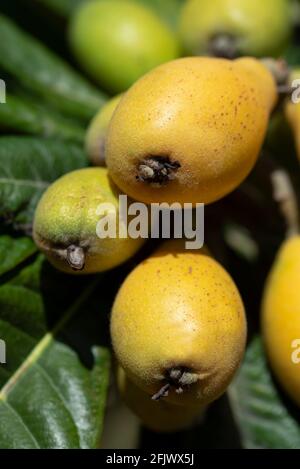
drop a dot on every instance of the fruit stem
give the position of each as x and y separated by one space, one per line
75 257
157 170
163 392
285 196
223 45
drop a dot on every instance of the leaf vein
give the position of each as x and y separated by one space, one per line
19 417
24 182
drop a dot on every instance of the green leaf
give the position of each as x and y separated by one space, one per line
14 251
41 71
292 55
51 396
30 276
24 116
27 166
263 419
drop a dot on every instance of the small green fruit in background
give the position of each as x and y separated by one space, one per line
96 133
117 42
66 220
230 28
158 416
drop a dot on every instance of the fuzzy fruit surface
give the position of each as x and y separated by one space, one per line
66 216
117 42
185 327
281 316
204 119
97 131
158 416
259 28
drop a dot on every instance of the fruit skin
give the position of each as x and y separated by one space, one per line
187 318
160 416
281 316
292 113
208 115
96 133
117 41
66 216
258 28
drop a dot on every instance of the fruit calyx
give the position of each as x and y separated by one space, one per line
73 254
176 378
223 45
157 170
281 72
75 257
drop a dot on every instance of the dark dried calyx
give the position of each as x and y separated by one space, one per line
281 72
223 45
178 379
157 170
279 68
75 257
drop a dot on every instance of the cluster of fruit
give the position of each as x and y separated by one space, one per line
189 131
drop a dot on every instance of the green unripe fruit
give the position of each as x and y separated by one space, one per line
96 133
230 28
66 219
117 42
